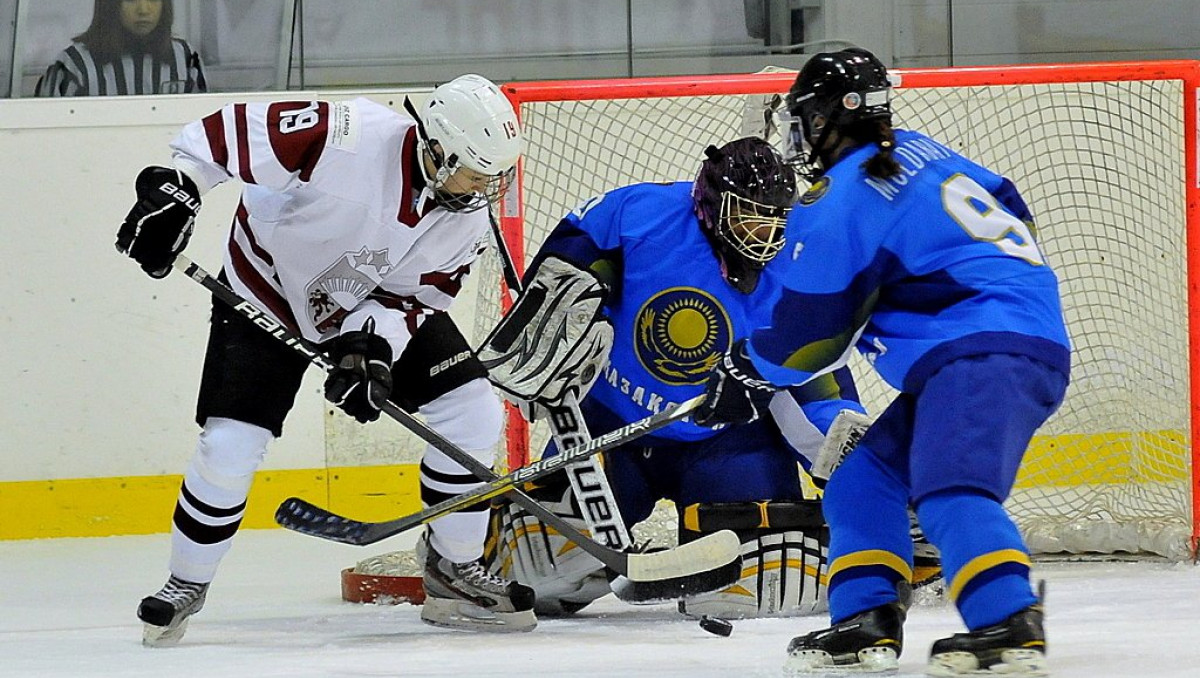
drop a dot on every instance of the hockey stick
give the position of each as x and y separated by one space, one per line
302 516
659 575
589 482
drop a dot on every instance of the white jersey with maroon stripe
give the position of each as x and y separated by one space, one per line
335 223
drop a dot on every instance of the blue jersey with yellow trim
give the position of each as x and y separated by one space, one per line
936 263
673 311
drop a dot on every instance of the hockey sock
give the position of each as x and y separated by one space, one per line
870 549
471 417
212 499
984 559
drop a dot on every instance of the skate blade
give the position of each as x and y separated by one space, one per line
872 660
459 614
1014 663
163 636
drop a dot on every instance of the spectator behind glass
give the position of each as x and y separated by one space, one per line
128 49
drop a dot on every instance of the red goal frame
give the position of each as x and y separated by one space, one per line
512 221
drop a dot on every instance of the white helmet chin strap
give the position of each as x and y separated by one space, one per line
425 146
445 168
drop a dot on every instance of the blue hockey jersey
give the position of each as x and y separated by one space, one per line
673 312
936 263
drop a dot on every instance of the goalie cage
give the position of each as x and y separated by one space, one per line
1106 155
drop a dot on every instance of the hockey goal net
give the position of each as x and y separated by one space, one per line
1106 156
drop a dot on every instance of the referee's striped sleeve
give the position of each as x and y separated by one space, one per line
83 66
67 76
50 84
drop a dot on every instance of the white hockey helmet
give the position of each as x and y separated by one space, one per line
468 123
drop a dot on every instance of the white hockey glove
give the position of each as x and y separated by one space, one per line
553 341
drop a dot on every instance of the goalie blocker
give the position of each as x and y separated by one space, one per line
553 342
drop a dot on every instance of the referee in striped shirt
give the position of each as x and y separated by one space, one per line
128 49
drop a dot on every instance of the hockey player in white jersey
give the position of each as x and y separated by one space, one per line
356 227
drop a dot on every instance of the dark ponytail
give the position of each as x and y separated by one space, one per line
883 164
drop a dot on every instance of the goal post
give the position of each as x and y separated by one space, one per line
1106 155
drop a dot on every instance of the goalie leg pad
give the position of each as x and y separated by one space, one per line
785 551
927 563
564 578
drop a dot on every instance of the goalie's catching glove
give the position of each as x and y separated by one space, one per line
735 393
159 225
361 379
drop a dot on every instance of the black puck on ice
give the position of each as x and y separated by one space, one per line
716 625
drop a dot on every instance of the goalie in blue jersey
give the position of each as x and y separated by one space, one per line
682 271
927 263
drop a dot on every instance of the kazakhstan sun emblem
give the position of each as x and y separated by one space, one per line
679 335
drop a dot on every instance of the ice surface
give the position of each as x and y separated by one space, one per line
67 609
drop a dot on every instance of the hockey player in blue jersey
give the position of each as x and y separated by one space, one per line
686 269
927 263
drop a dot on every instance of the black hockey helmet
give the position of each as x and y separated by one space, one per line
742 195
836 90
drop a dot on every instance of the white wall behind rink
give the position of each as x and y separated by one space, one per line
100 363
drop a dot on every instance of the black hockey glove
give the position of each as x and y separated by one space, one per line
361 380
735 393
160 224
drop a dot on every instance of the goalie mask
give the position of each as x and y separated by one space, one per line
742 196
835 91
469 131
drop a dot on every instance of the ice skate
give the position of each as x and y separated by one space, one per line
468 596
165 614
1015 647
869 642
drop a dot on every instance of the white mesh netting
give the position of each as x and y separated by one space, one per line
1101 165
393 563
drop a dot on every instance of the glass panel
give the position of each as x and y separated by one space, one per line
430 41
48 28
239 41
1037 31
685 37
8 20
922 33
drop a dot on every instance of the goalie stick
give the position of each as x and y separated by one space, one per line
661 575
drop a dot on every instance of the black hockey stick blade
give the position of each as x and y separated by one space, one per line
711 563
301 516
